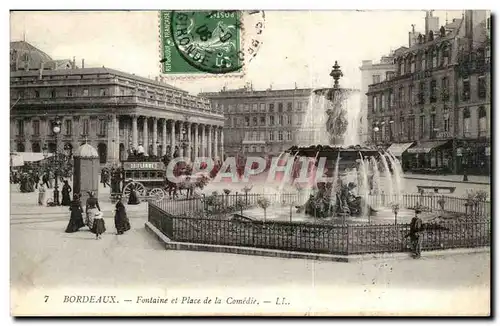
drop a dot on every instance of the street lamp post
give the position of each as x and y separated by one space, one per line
56 128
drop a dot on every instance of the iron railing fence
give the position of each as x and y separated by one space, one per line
318 238
214 205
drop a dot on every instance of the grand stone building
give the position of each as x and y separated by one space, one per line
109 109
261 122
435 109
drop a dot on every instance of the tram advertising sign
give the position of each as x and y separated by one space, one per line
143 166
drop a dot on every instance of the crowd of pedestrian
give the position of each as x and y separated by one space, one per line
92 216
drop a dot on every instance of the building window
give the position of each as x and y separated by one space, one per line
271 120
422 127
445 95
289 106
421 95
375 79
299 119
85 92
36 127
255 121
53 93
85 127
289 119
68 127
482 121
374 99
299 105
37 94
70 92
401 96
466 90
262 149
262 107
102 92
411 95
433 91
262 120
391 129
289 135
271 108
255 107
466 114
280 107
411 128
433 126
423 66
412 64
434 59
20 127
271 135
481 87
247 121
401 126
446 122
280 135
280 120
254 135
391 99
103 126
235 122
382 102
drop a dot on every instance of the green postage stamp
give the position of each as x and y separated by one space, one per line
207 42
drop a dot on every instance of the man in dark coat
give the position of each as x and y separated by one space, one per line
415 235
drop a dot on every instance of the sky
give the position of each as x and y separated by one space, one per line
298 47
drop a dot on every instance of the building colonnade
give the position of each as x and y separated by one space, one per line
116 136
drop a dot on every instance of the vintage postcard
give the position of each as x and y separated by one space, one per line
250 163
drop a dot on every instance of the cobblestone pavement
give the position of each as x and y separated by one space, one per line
44 257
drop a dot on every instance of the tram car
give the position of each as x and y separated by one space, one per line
147 177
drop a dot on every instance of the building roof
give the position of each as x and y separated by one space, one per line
35 55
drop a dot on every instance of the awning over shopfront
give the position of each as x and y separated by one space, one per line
397 149
19 158
426 147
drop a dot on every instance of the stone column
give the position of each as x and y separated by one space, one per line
163 137
155 136
172 138
189 151
75 133
210 142
196 140
145 136
216 142
181 138
222 144
27 133
203 140
134 132
111 135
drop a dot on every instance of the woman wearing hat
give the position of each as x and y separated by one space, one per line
91 209
76 219
122 222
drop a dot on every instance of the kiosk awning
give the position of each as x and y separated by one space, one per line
426 147
397 149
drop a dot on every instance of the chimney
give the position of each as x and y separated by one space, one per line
74 62
412 36
431 23
83 63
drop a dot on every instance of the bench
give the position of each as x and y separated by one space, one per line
437 189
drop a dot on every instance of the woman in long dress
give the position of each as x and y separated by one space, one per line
91 209
122 222
41 195
66 190
98 226
76 219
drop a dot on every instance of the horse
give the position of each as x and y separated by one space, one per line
188 183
